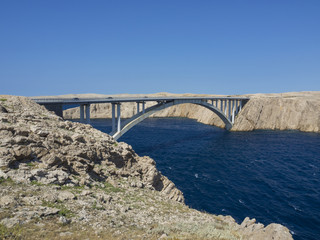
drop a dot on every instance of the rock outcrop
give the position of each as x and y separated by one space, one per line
287 111
37 145
66 180
295 111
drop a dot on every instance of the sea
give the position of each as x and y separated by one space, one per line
272 176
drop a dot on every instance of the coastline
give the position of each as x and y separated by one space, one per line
60 173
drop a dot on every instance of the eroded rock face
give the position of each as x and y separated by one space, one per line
280 113
37 145
256 231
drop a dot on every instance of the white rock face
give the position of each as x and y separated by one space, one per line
297 112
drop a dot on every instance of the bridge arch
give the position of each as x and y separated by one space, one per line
228 109
140 116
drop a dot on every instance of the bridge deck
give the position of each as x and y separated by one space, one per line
225 107
119 100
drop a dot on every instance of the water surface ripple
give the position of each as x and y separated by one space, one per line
273 176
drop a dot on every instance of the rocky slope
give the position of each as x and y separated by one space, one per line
290 111
65 180
63 152
287 111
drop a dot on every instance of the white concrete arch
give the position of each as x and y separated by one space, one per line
140 116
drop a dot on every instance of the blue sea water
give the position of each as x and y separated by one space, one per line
273 176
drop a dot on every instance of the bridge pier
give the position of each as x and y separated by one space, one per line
229 109
233 112
88 113
225 107
85 118
82 113
116 120
113 117
118 117
143 107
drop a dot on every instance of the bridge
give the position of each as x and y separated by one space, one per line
226 108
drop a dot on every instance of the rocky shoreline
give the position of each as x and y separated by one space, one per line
65 180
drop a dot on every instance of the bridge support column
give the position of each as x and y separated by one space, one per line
229 110
221 105
143 107
82 113
113 117
88 113
236 107
118 117
225 107
116 120
233 111
138 107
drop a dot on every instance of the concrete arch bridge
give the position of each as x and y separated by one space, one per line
226 108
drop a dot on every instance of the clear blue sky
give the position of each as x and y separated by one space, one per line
51 47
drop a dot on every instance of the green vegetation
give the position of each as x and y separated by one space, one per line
31 164
3 99
108 188
10 233
6 181
73 189
94 206
36 183
63 211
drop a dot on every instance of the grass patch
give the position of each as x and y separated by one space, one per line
3 99
6 181
10 233
109 188
73 189
36 183
94 206
63 211
31 164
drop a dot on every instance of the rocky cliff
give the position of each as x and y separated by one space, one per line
290 111
287 111
38 145
66 180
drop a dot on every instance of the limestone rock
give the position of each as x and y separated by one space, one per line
65 195
38 146
6 201
279 113
256 231
3 109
